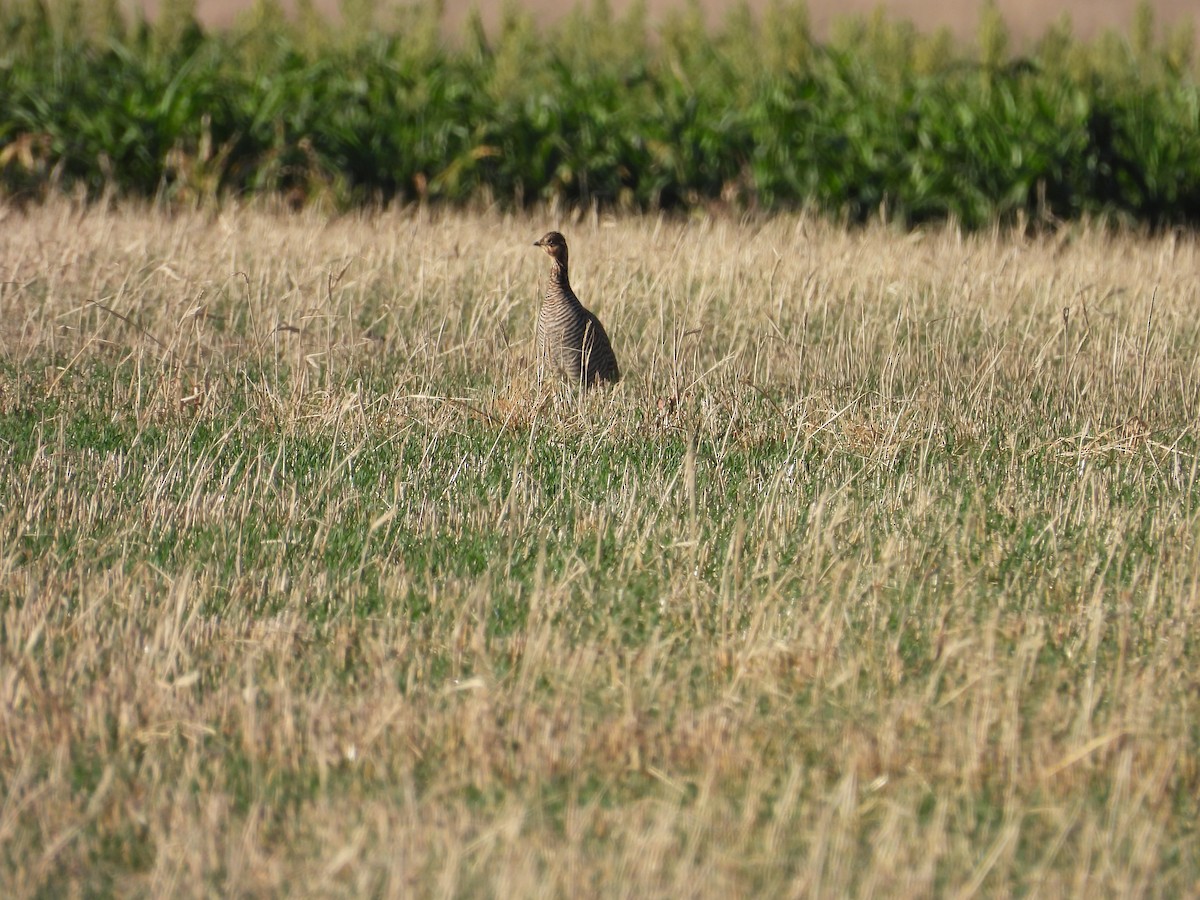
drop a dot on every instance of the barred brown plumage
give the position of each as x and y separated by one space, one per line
570 339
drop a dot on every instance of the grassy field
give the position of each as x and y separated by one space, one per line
877 575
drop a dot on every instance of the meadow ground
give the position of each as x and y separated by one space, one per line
877 575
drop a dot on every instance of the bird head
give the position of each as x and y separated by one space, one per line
555 246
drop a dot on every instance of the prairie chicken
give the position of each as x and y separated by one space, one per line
570 339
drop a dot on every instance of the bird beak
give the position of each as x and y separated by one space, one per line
537 243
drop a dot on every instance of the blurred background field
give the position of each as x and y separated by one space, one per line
873 119
1027 18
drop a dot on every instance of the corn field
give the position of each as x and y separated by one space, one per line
880 121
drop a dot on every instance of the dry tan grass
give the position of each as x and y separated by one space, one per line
877 575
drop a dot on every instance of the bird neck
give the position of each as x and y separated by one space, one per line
559 282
